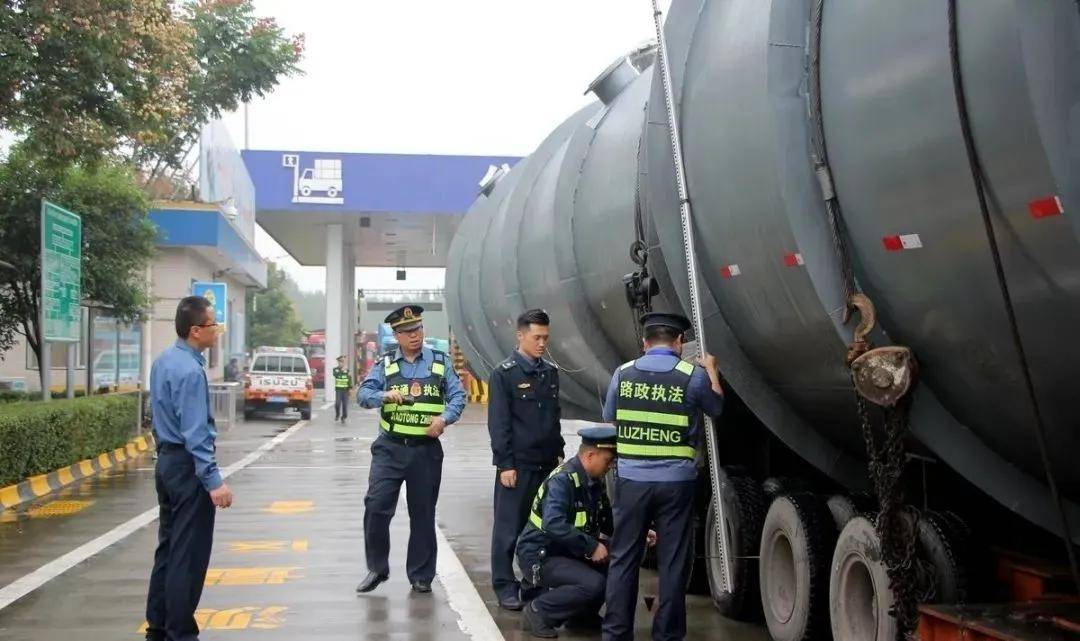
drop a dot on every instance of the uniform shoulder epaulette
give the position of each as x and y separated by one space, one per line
508 364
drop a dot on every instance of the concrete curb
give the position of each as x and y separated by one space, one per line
36 487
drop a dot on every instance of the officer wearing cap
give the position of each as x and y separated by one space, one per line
342 385
418 394
526 443
656 402
562 549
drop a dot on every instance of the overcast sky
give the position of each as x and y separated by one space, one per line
434 76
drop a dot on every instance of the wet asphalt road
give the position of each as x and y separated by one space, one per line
287 555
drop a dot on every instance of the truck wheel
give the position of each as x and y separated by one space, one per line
744 511
305 413
796 544
942 543
859 594
846 507
248 414
332 192
305 191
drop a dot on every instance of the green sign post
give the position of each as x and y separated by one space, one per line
61 288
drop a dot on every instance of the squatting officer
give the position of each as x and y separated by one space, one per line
342 385
656 403
526 444
561 550
419 394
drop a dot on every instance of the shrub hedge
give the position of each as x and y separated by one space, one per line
14 396
37 437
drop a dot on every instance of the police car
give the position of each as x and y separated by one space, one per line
279 378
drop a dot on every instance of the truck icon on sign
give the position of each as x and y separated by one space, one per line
320 184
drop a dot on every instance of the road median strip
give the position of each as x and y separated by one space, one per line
41 485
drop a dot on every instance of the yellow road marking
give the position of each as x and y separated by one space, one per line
260 618
57 508
86 467
249 576
290 507
65 475
242 547
40 485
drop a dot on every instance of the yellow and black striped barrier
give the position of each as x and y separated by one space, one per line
37 486
478 391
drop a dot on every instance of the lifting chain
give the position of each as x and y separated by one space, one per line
885 377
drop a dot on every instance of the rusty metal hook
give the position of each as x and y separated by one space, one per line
867 321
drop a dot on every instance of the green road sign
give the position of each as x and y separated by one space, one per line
61 272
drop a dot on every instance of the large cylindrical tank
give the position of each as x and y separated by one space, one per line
563 219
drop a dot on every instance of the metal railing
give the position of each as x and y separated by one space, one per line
224 400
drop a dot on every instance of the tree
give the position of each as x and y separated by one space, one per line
84 78
237 57
271 317
118 238
310 306
78 77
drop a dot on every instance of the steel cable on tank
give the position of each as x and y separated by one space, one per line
978 176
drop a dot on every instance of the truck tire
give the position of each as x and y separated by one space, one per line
744 511
846 507
859 594
796 545
332 192
305 413
305 191
775 486
942 542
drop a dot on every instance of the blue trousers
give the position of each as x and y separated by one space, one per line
185 537
418 464
669 507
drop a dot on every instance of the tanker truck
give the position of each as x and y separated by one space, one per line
863 174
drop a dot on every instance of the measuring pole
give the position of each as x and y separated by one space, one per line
727 575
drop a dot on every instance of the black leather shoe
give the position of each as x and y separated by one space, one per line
512 603
370 582
155 635
421 587
534 624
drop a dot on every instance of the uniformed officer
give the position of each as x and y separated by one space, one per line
562 549
656 403
526 443
419 394
342 385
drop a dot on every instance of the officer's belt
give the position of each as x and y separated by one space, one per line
408 440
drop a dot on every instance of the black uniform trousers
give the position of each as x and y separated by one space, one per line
185 536
341 403
575 589
512 506
418 464
638 505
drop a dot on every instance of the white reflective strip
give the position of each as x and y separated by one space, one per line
911 241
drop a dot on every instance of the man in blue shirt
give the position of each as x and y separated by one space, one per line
656 403
418 394
189 485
